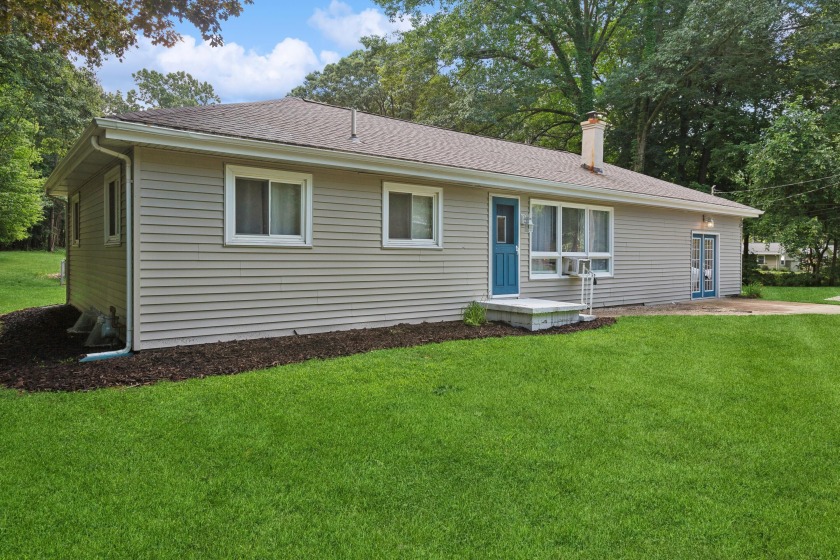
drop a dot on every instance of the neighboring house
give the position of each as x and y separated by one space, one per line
773 256
265 219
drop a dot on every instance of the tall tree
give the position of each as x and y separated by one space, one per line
539 58
161 91
93 28
20 183
793 173
692 62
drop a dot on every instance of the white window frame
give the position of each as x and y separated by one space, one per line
559 254
760 259
116 239
437 225
277 176
75 220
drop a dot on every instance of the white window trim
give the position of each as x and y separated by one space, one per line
437 227
560 254
238 240
116 239
75 235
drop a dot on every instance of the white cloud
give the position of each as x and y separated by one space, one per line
236 74
340 24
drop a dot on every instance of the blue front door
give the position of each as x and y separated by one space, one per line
703 265
505 244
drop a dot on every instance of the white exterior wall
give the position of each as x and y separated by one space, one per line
96 272
192 289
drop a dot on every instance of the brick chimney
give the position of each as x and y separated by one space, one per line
592 149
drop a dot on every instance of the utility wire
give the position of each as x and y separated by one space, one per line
778 186
799 194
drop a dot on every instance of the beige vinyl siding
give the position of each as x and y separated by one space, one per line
651 258
193 289
96 273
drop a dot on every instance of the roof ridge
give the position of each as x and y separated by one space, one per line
167 110
434 126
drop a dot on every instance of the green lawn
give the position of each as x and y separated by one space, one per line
24 282
804 295
659 437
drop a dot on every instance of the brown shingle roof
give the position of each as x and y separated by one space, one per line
306 123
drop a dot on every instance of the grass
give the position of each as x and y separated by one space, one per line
24 282
804 295
659 437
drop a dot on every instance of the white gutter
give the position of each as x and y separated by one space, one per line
232 146
129 261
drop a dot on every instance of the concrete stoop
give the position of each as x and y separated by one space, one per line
534 314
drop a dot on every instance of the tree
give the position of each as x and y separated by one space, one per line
695 71
538 59
161 91
20 183
93 28
46 103
56 95
390 79
793 174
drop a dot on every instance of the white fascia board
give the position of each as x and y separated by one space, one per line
233 146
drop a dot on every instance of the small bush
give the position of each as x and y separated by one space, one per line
752 290
474 314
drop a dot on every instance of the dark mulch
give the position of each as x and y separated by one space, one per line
37 354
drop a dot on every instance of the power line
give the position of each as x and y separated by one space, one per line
778 186
800 194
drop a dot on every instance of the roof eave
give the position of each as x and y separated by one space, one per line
80 150
245 147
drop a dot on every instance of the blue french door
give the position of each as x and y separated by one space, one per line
703 265
505 244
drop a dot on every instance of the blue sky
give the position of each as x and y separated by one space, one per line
268 49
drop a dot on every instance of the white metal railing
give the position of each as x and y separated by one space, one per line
587 284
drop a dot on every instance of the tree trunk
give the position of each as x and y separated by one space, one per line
832 279
642 130
703 166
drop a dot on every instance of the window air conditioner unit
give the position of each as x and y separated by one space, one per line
573 266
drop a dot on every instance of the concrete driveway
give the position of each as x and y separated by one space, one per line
722 306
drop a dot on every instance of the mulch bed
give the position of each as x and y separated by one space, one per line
37 354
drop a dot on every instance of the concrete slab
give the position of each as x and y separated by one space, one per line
533 314
723 306
532 306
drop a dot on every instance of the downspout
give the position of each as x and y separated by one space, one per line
129 261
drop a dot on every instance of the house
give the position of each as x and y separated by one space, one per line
264 219
773 256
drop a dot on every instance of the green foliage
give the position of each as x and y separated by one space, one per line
793 174
20 183
93 28
657 438
25 279
161 91
53 93
474 314
752 290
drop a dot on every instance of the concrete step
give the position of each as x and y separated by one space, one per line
532 314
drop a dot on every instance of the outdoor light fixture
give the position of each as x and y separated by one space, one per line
709 221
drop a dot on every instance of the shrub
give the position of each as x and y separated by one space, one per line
474 314
752 290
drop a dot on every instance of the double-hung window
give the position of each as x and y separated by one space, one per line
267 207
569 230
112 207
412 216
